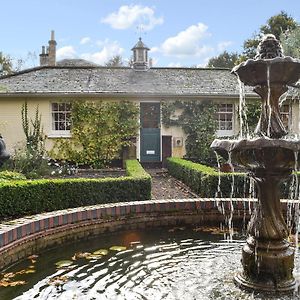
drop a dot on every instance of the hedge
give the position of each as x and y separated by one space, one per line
204 180
25 197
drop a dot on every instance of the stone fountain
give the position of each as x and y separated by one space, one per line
4 155
267 257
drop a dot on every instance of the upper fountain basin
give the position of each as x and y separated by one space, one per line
282 70
259 153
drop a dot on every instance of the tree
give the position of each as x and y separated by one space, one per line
99 131
5 64
276 25
198 121
224 60
115 61
290 41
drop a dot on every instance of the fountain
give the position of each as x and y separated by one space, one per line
267 257
3 153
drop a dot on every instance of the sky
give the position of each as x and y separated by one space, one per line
179 33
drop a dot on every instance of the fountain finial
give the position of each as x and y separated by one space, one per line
269 47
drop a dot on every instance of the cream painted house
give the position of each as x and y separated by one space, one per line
54 85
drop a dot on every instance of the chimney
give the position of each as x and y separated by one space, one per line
43 57
52 50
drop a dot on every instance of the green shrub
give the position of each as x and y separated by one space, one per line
10 175
204 180
24 197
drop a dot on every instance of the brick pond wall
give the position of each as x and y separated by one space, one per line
22 237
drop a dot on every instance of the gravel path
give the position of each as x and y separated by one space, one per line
165 186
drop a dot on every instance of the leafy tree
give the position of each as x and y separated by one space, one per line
99 131
276 25
224 60
115 61
5 64
199 124
290 41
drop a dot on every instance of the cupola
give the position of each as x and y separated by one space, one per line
140 56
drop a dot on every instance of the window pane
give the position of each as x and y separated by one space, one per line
54 106
225 116
61 116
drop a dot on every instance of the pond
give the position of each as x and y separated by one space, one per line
168 263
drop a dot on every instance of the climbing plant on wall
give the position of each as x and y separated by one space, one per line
197 119
99 131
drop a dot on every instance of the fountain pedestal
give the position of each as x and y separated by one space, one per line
267 258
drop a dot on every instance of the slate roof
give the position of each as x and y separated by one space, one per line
75 62
140 45
75 80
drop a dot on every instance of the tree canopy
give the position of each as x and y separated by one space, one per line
224 60
290 41
5 64
276 25
115 61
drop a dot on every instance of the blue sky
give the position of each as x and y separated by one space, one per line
179 33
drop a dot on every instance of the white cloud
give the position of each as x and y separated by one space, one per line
109 49
66 52
187 42
174 65
133 15
85 40
223 45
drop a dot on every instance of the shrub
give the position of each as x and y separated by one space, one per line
10 175
23 197
204 180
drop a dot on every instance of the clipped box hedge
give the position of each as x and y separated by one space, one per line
204 180
25 197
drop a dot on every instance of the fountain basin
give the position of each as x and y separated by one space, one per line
260 153
168 263
282 70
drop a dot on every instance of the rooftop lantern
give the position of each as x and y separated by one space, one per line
140 56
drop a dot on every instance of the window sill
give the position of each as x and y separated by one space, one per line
221 133
56 135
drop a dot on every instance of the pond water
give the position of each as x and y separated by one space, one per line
169 264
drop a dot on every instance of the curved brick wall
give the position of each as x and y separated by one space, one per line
22 237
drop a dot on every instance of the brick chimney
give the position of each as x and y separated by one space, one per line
48 57
43 57
52 50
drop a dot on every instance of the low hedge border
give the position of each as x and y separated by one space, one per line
26 197
204 180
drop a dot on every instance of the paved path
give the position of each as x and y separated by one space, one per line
165 186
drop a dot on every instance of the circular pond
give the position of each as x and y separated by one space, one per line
169 263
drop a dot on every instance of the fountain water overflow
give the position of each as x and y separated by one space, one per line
267 257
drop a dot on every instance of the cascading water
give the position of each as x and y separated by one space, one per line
267 257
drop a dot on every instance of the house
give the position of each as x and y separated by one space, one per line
54 85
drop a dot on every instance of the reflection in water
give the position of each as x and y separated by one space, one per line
161 264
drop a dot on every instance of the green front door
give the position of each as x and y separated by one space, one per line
150 132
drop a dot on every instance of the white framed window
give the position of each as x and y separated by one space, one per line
225 119
61 118
285 112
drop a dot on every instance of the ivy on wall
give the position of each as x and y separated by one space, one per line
99 131
198 121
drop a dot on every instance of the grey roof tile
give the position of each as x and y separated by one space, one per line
110 80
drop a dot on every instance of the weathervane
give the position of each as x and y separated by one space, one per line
140 30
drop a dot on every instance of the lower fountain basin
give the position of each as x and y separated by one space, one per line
259 153
165 263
